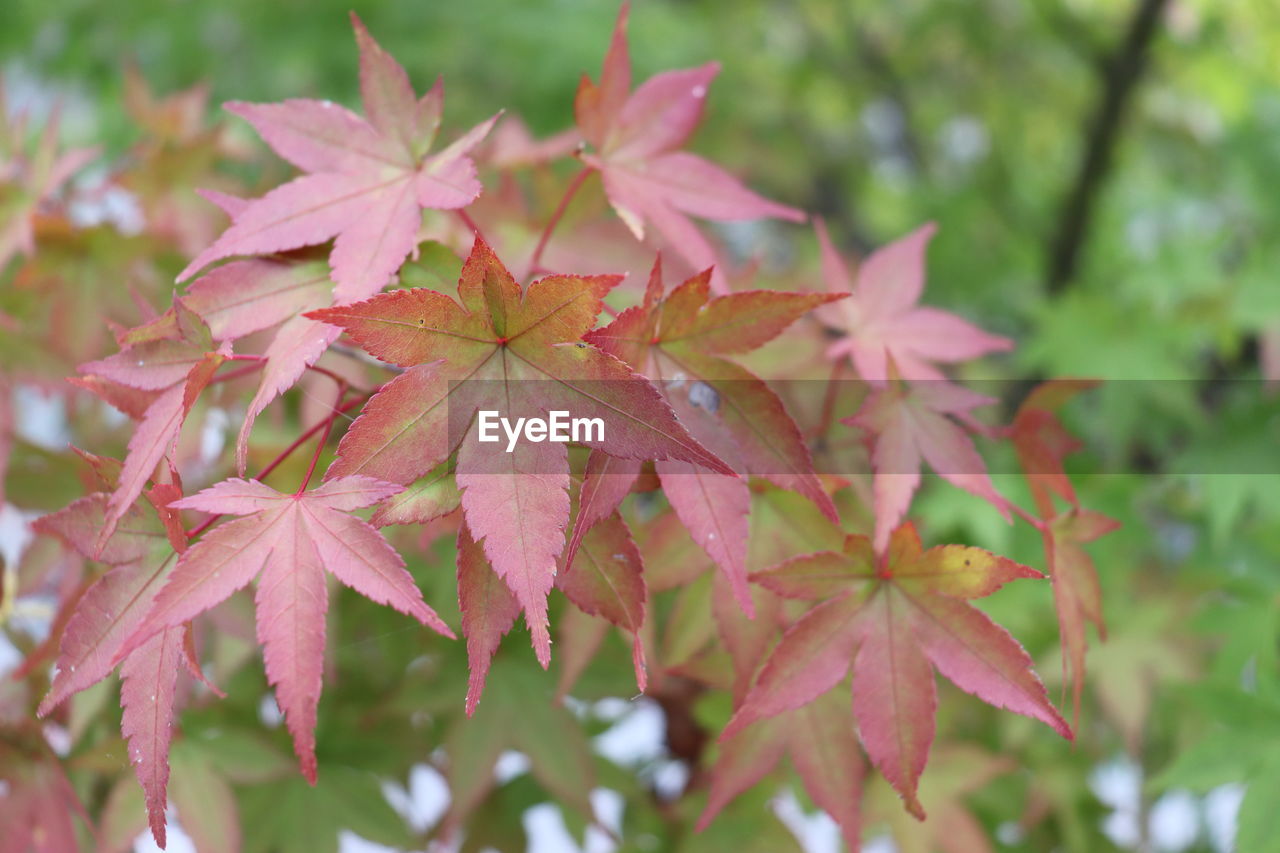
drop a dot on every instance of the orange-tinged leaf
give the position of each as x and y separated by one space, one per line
1042 443
961 572
893 625
517 351
679 342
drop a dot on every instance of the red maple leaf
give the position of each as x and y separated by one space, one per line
290 540
520 352
892 621
1042 442
683 342
636 137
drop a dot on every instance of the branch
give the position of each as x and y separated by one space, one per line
1120 75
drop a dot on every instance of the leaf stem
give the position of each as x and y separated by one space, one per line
300 440
324 438
829 400
570 191
236 374
470 223
284 454
324 371
1037 523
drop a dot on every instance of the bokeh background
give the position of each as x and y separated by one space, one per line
1105 175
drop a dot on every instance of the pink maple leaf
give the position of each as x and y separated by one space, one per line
180 369
367 182
103 620
910 424
882 319
30 179
636 137
290 540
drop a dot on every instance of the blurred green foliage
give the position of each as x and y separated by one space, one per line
878 116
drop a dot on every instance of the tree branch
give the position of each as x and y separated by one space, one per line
1120 75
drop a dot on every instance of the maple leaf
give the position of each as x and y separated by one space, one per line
238 299
104 619
38 808
909 423
1077 598
681 343
957 770
243 297
27 179
636 136
892 622
882 320
1042 442
606 578
823 749
520 715
291 540
783 524
519 352
367 182
180 368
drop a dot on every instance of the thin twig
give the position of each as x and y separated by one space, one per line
324 438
